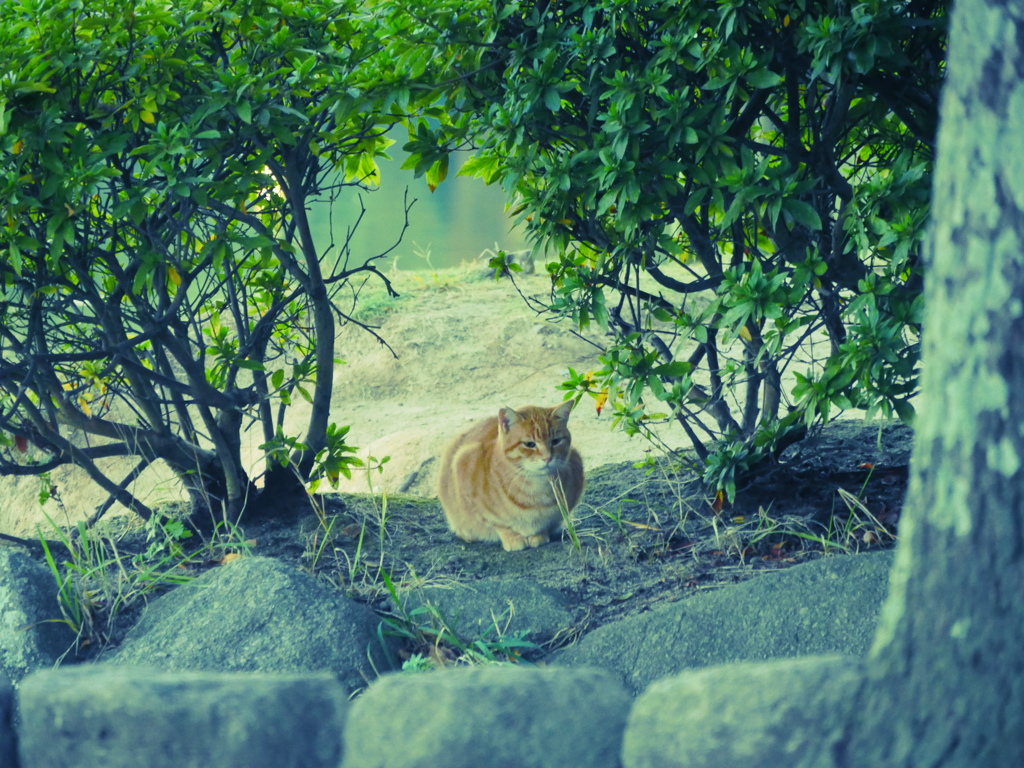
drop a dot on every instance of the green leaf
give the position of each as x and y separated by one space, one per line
905 411
674 370
485 167
600 310
802 213
552 99
437 173
763 78
842 401
14 254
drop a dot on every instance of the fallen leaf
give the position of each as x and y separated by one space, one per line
716 506
641 525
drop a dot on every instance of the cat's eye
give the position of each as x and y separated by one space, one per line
555 441
529 444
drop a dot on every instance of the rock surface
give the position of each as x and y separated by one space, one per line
7 743
495 607
827 606
257 615
742 714
30 635
115 717
488 716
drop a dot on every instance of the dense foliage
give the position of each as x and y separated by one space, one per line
161 291
736 190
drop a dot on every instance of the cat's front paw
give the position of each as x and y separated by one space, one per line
512 541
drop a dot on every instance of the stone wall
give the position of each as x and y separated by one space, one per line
106 716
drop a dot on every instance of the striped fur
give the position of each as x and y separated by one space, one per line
501 479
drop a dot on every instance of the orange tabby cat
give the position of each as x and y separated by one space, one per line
499 479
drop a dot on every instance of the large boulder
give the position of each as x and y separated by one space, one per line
829 606
488 716
32 635
258 615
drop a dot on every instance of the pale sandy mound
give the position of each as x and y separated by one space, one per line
465 348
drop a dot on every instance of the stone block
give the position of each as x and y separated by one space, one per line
104 716
770 713
478 717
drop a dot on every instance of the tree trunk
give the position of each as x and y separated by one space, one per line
323 323
945 681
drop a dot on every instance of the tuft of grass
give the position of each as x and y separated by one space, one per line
436 642
563 508
354 568
859 525
846 531
97 583
651 522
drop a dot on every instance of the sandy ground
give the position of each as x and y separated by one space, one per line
465 347
464 351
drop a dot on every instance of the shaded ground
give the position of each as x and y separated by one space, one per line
645 535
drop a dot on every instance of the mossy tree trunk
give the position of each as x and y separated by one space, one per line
945 681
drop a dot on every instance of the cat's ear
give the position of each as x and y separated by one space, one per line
562 411
506 418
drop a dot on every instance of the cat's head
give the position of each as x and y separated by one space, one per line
535 440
